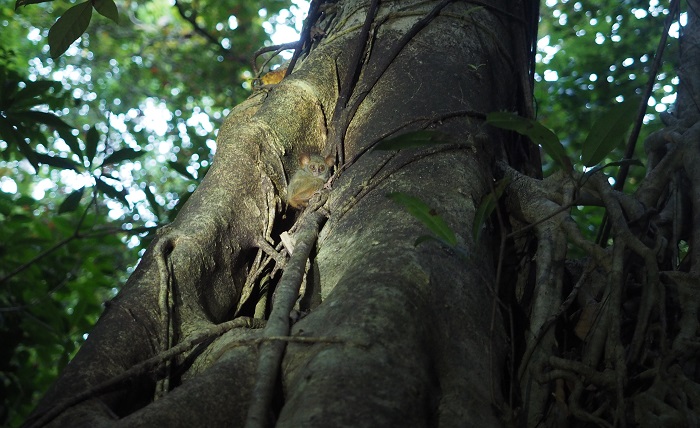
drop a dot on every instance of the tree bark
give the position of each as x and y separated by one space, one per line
397 333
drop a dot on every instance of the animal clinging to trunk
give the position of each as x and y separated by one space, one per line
308 179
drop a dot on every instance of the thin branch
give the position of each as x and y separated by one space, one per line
61 243
602 238
271 352
634 135
305 38
142 367
437 117
191 17
355 67
65 241
339 121
342 115
276 49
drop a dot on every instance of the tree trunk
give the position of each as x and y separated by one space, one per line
392 333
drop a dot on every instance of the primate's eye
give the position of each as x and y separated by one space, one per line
321 168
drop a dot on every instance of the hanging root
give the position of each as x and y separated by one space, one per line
616 343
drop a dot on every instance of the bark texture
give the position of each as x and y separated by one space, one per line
399 334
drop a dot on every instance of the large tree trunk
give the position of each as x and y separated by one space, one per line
394 334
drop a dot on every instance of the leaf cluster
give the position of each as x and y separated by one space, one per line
48 309
598 53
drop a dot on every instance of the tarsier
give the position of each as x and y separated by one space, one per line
309 179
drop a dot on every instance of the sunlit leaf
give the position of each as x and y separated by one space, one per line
123 154
412 140
535 131
71 202
608 131
33 116
274 76
431 219
71 25
107 8
488 204
182 169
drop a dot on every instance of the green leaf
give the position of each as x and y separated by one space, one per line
71 202
608 131
107 8
40 87
535 131
91 139
412 140
151 198
421 211
182 169
123 154
34 93
425 238
56 161
28 2
488 204
71 25
32 117
111 191
8 132
456 248
28 153
10 87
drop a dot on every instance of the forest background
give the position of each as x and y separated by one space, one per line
117 132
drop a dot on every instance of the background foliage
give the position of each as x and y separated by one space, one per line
99 146
104 143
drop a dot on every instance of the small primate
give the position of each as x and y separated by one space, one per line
309 179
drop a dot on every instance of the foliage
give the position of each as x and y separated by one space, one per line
20 121
536 132
47 308
99 146
426 215
605 135
590 56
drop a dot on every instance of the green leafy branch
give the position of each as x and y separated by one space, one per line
606 134
74 21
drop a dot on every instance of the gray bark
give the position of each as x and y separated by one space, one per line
406 334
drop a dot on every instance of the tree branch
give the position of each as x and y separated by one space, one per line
278 325
192 19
